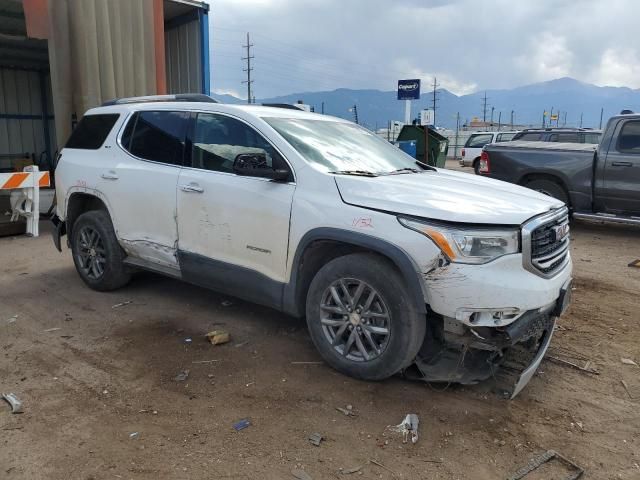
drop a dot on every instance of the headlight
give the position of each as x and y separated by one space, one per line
473 245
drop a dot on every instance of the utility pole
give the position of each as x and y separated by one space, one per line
455 146
499 120
511 119
434 100
484 108
322 108
492 108
601 114
580 119
564 122
248 58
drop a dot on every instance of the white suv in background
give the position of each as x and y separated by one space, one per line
475 143
397 266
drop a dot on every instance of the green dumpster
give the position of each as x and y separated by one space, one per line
438 144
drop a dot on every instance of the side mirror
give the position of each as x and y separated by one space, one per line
255 165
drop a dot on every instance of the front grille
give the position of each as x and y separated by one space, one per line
546 243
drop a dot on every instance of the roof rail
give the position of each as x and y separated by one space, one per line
178 97
287 106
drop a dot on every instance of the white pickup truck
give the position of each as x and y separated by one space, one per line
398 267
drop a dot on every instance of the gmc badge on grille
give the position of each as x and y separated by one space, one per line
561 231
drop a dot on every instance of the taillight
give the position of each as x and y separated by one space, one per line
485 164
463 152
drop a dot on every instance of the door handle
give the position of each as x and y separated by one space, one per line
621 164
192 188
110 175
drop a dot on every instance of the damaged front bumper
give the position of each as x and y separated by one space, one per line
510 355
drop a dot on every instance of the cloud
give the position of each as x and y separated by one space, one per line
468 45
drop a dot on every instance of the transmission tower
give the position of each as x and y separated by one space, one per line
249 68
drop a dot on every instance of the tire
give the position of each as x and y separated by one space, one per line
549 187
97 254
331 333
476 166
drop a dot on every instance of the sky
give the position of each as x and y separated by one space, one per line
468 45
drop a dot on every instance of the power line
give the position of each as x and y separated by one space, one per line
248 58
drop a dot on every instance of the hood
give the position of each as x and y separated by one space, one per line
446 195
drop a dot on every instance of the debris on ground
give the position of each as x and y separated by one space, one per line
349 471
226 303
300 474
12 319
635 263
241 344
182 376
205 361
134 435
547 456
348 411
54 329
307 363
118 305
628 361
241 424
626 387
188 340
586 368
408 426
218 337
315 439
16 404
382 466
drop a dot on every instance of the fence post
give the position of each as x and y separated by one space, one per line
33 199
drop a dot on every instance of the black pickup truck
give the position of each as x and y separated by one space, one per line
596 181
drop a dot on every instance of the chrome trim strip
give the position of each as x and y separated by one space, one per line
528 229
607 218
554 254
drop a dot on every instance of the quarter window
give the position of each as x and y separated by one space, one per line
92 131
630 138
479 141
156 136
217 141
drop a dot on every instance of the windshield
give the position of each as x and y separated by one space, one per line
341 147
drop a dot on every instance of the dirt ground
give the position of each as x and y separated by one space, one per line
101 402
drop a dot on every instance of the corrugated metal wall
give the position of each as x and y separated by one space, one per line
183 59
20 100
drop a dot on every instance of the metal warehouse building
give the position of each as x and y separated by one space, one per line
60 57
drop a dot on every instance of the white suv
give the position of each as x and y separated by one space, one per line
475 143
397 266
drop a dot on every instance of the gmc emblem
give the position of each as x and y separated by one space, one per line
561 231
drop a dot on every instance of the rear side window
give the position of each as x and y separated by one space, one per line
591 138
529 136
92 131
629 141
564 138
505 137
156 136
479 141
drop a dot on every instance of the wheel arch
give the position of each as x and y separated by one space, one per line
321 245
79 203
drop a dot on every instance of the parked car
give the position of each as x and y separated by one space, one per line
559 135
595 181
397 266
474 144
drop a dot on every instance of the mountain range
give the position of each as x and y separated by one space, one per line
376 107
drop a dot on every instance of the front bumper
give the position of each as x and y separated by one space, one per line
510 355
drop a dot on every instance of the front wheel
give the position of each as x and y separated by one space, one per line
550 188
360 317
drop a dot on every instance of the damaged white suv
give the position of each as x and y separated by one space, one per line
397 266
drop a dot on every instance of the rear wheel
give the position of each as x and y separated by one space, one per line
97 254
476 166
359 317
548 187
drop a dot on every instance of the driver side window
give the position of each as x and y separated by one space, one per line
217 141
